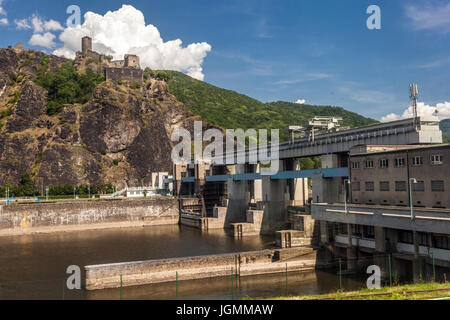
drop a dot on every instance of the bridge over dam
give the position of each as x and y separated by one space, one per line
241 197
412 131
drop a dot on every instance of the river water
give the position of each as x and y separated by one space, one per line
34 266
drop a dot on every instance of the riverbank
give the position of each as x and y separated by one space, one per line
421 291
68 216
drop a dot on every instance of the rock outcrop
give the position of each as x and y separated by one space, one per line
120 136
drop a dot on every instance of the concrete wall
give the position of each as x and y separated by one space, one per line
292 238
157 271
66 216
426 220
196 221
327 190
238 198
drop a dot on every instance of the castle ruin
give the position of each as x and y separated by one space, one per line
128 69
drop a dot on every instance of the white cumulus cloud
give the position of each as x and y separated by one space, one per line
42 36
429 16
301 101
38 24
45 40
125 31
3 20
22 24
2 11
441 110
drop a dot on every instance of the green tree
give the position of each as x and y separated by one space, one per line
66 86
25 188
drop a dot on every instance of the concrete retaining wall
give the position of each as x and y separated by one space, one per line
16 219
156 271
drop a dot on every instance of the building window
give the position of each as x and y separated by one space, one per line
406 237
342 228
369 232
384 186
437 185
357 230
368 164
370 186
400 185
417 161
399 162
419 186
356 186
436 160
355 165
423 239
384 163
441 242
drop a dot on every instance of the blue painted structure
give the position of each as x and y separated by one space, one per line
327 173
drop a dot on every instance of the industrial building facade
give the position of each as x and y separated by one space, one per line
377 218
380 175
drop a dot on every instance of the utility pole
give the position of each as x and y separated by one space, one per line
346 183
414 95
411 181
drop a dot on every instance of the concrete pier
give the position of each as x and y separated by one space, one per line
238 264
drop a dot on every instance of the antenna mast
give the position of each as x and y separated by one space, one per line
413 95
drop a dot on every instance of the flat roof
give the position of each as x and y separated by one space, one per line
400 150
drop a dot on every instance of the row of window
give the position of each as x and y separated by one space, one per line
436 186
423 239
398 162
437 241
357 230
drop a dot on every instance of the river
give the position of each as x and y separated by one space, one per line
34 266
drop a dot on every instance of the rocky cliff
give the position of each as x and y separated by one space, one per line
120 136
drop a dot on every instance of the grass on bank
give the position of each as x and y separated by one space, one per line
405 292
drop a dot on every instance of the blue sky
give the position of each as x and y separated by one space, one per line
320 51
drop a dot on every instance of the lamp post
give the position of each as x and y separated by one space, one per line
346 182
411 181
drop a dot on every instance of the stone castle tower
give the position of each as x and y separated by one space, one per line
128 69
132 61
86 45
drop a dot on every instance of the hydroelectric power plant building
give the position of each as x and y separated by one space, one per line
361 201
